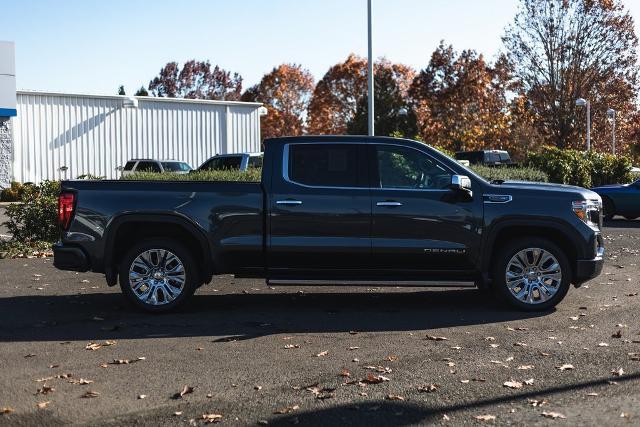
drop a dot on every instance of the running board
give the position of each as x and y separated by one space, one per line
397 283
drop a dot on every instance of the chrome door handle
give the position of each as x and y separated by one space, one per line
288 202
389 203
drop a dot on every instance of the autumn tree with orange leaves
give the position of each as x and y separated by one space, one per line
285 92
461 101
196 80
342 92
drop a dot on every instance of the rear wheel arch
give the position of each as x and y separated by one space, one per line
127 230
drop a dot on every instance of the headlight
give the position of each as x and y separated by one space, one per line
588 211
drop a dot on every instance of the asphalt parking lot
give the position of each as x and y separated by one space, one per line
319 356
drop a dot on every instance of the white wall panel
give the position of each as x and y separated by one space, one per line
96 134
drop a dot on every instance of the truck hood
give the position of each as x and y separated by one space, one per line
569 190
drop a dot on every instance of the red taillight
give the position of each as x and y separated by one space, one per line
66 201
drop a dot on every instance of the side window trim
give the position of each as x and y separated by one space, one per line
373 173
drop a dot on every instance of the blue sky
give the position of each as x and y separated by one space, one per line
93 46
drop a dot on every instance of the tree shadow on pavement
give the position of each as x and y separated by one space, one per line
404 413
244 316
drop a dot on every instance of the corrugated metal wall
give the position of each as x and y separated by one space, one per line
96 134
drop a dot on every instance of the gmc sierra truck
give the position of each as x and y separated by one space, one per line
347 210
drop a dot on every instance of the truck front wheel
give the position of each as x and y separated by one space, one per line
531 274
157 275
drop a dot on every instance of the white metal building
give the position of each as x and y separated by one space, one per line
87 134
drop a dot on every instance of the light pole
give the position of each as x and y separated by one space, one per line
370 72
581 102
611 113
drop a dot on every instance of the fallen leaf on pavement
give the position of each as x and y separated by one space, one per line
289 346
536 403
321 393
512 384
81 381
436 338
211 418
142 396
617 334
618 372
528 382
177 413
520 344
185 390
353 348
430 388
287 409
27 356
322 353
486 417
525 367
95 346
391 358
374 379
45 389
565 367
603 344
592 394
89 394
394 397
345 373
553 415
42 405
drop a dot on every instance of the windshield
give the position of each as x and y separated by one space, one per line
176 167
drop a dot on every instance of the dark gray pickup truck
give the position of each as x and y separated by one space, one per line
335 210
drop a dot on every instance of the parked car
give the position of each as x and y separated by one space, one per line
158 166
486 157
620 199
351 210
239 161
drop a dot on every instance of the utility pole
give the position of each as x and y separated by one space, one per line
370 112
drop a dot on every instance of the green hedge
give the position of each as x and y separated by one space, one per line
250 175
579 168
510 173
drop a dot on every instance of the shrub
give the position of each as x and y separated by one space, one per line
35 220
250 175
580 168
510 174
13 193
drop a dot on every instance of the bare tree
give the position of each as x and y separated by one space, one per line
562 50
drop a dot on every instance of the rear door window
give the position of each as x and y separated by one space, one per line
129 166
327 165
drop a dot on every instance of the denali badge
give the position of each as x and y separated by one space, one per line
444 251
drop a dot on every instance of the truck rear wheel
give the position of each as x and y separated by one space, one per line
531 274
157 275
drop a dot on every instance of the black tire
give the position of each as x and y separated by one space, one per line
499 271
630 217
183 255
608 208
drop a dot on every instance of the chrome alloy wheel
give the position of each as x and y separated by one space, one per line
533 275
157 277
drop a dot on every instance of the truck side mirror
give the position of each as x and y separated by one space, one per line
462 184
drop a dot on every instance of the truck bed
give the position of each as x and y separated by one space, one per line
229 214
